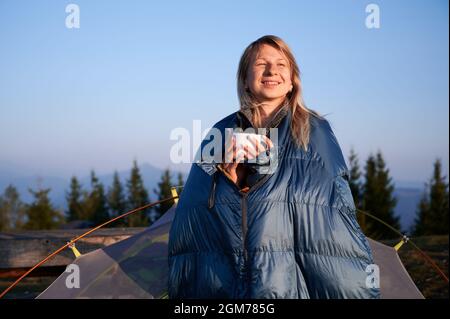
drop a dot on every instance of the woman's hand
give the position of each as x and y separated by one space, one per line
246 152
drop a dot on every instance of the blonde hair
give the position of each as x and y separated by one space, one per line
300 122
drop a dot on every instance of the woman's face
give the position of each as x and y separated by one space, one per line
269 75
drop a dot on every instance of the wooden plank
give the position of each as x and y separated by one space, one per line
25 249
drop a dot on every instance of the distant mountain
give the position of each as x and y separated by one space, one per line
409 184
23 184
406 209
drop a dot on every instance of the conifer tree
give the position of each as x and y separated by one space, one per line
378 198
356 187
163 191
74 201
95 203
180 184
433 209
12 210
5 222
137 197
116 200
41 214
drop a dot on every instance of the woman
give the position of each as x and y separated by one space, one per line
290 233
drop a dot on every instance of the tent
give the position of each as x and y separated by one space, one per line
137 268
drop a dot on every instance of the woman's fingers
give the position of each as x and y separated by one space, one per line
230 152
240 157
232 144
251 150
262 145
268 141
259 146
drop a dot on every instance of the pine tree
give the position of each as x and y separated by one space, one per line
116 200
422 221
378 198
433 209
137 197
74 201
164 191
96 203
180 183
356 187
386 188
86 206
439 201
12 210
5 222
369 195
41 214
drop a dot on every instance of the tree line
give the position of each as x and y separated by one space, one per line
95 205
373 191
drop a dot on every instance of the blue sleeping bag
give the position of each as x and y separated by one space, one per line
294 234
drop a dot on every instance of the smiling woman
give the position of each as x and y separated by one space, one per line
288 233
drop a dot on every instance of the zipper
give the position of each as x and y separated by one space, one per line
212 192
244 228
244 206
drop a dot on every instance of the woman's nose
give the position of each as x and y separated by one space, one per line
271 69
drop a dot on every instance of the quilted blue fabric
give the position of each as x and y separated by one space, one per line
294 234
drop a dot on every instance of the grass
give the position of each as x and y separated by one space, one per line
28 288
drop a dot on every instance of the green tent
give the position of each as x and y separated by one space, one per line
137 268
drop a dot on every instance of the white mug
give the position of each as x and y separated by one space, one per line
246 139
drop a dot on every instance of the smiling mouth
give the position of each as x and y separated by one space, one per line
270 83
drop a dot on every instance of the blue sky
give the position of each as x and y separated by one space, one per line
99 96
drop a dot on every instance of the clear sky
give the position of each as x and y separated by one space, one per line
112 90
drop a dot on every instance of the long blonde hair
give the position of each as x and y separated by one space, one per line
300 123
